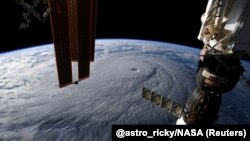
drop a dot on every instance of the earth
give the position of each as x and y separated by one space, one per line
33 107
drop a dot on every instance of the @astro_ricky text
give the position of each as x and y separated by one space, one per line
179 132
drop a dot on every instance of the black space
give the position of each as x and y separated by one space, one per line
168 21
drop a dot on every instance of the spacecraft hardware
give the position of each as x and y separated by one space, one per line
73 25
225 32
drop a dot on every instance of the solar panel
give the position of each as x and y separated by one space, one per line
73 29
93 29
60 31
73 25
165 103
84 40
